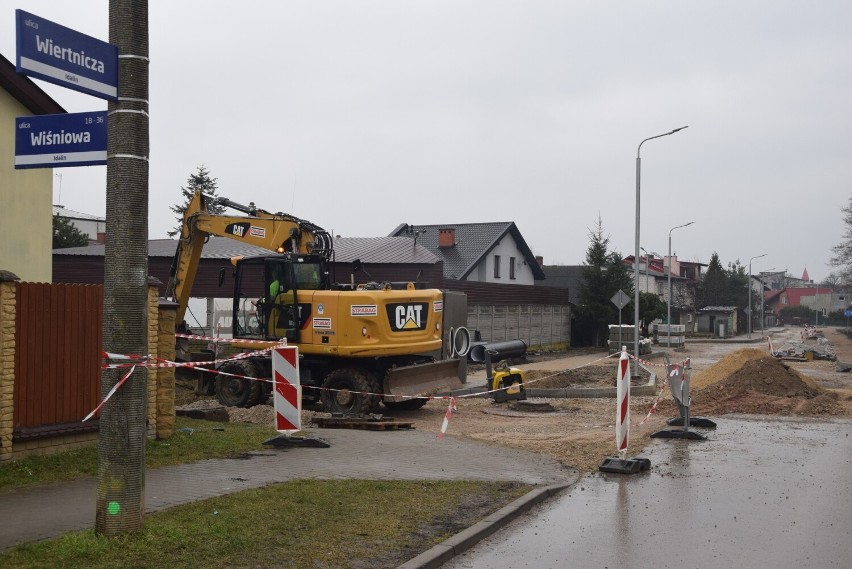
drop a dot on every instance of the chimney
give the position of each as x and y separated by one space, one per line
446 238
540 260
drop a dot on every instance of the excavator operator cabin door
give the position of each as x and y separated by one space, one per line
281 300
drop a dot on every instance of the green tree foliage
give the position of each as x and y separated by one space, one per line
604 275
651 307
713 289
727 287
738 289
66 234
200 180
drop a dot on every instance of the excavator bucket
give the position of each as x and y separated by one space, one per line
422 379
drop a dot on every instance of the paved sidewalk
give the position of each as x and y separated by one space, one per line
45 512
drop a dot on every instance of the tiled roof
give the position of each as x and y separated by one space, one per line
473 242
347 249
382 250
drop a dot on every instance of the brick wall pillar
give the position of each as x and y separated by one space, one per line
8 309
166 376
153 344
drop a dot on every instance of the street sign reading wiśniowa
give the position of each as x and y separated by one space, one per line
60 141
66 57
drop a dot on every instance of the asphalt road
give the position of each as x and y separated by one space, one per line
760 492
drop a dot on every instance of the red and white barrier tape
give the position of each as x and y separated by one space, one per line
226 340
158 363
450 408
654 405
110 394
151 362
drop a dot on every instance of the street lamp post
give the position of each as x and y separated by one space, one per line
669 308
749 291
636 250
762 301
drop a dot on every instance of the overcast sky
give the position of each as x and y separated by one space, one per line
359 116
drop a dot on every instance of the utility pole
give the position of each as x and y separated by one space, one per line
121 446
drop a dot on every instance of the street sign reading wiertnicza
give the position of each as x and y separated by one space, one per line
60 141
65 57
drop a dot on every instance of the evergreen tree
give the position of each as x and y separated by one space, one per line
738 287
605 274
713 289
200 180
66 234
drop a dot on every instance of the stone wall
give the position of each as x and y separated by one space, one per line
7 362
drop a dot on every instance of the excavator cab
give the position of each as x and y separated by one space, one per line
275 311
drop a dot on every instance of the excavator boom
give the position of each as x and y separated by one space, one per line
273 231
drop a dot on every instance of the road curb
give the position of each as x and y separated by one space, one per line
464 540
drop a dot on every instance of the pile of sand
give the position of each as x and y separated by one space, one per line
750 381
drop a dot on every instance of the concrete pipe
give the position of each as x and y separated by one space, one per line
507 349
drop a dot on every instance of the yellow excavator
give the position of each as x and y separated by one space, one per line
359 345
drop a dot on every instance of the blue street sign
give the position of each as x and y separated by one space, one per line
847 313
65 57
60 141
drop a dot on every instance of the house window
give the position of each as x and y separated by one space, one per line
512 268
689 317
496 266
660 289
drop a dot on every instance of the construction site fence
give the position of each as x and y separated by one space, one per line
538 325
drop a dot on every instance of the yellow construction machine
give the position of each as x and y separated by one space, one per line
359 345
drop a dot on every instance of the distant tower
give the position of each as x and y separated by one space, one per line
805 276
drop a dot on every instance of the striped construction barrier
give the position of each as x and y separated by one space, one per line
621 464
622 416
287 398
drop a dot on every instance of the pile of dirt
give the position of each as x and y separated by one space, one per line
725 367
749 381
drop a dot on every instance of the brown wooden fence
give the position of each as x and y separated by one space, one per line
58 357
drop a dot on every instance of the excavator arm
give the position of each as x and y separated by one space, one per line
273 231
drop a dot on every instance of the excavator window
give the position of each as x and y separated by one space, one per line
307 276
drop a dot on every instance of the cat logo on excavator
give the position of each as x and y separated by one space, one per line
408 316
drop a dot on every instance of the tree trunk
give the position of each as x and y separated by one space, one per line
121 446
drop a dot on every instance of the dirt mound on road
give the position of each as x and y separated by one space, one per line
725 367
760 384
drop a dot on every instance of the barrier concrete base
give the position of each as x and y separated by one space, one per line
625 465
700 422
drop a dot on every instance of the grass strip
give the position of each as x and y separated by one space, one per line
300 524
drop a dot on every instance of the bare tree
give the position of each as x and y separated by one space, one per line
842 258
